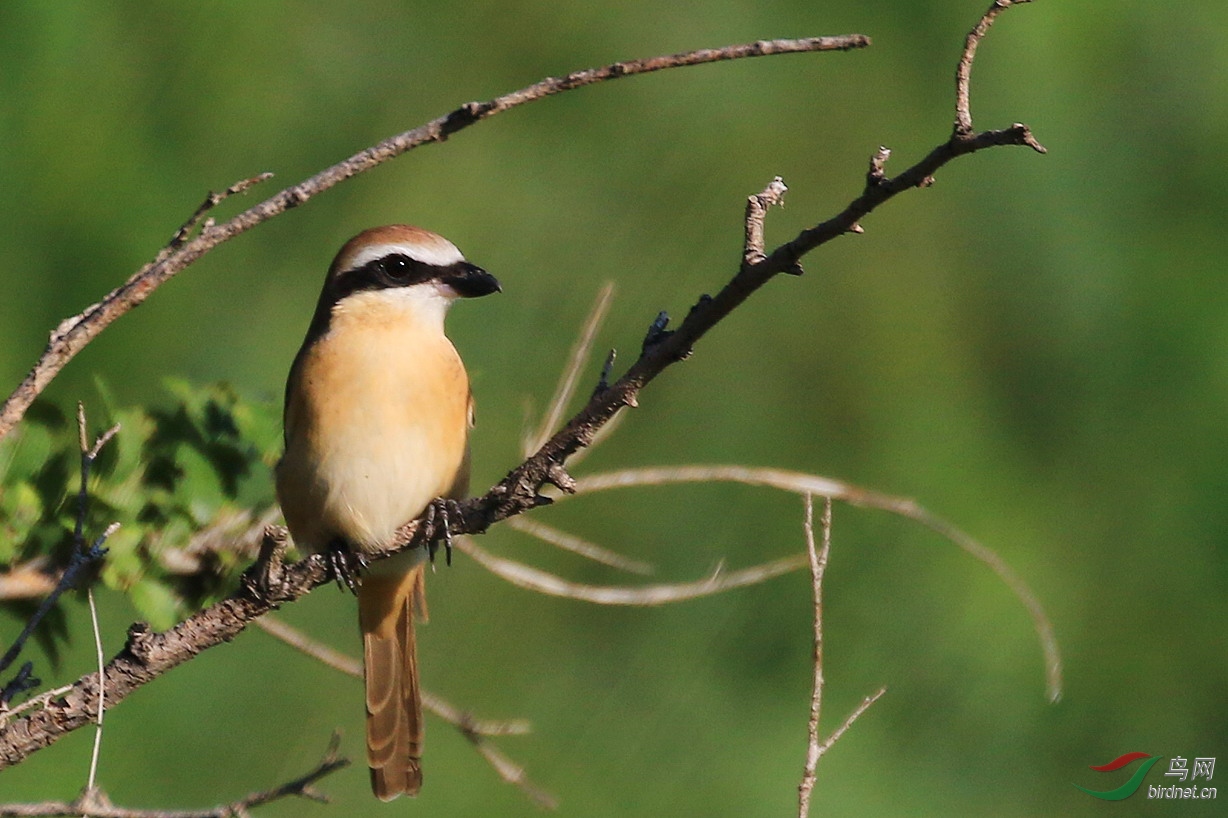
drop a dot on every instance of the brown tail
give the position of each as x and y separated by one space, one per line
386 609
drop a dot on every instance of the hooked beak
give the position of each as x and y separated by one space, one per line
470 280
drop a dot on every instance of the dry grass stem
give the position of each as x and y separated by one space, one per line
578 357
534 579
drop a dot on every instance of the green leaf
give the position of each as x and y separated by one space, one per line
125 564
24 452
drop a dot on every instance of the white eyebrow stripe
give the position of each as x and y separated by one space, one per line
441 254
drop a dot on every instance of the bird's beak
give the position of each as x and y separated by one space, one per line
470 281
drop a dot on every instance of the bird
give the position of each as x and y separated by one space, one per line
377 415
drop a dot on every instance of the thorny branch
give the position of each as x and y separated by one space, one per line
270 583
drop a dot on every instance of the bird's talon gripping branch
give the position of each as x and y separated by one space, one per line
438 521
346 565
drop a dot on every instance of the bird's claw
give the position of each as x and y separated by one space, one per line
346 566
438 521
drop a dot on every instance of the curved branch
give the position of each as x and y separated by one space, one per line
73 334
534 579
813 484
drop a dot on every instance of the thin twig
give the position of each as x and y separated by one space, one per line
211 201
301 642
41 700
27 580
857 713
91 780
73 334
88 455
96 804
818 566
514 774
534 579
963 71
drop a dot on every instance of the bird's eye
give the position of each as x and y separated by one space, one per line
398 268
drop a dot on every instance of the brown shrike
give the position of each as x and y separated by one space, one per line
377 419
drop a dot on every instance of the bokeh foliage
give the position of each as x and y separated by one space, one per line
1034 348
185 481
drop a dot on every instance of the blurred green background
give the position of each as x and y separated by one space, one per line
1035 348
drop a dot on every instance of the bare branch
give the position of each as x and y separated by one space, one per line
818 566
27 580
41 700
211 201
963 72
515 775
534 579
301 642
74 333
860 709
521 489
96 804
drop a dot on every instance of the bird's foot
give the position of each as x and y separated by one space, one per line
346 565
438 520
